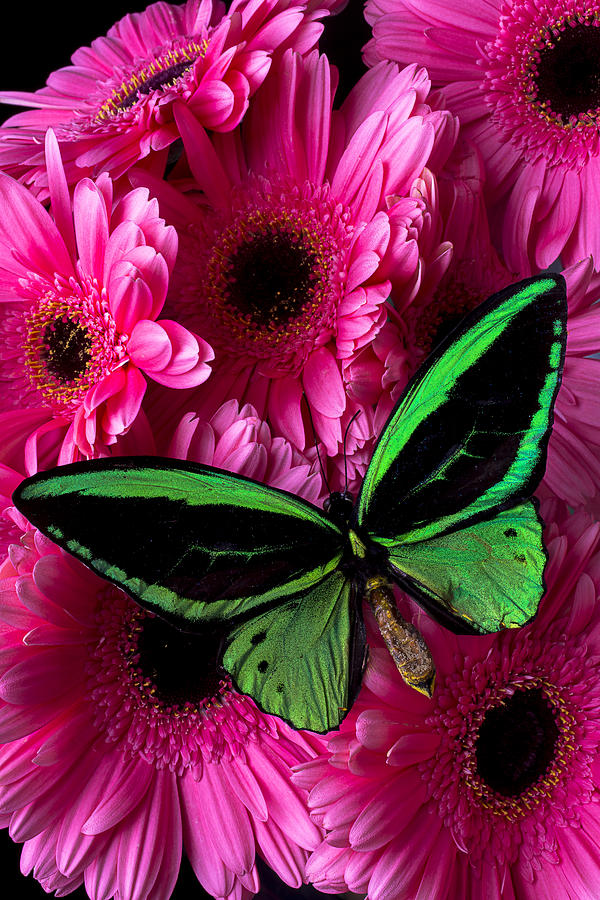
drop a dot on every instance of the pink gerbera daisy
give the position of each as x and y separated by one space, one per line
114 105
308 220
522 77
124 744
82 289
490 788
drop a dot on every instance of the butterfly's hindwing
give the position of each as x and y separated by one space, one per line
469 435
302 661
192 543
478 579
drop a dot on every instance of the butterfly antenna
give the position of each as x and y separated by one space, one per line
314 431
355 416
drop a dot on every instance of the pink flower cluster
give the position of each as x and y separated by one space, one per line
208 253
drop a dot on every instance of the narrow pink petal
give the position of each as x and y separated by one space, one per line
73 848
285 857
16 759
43 676
12 611
212 873
377 823
285 409
26 226
554 230
64 581
204 162
245 786
60 198
323 383
359 156
285 803
21 792
17 721
409 148
91 227
68 739
121 409
410 749
123 238
130 297
151 841
126 787
111 384
36 601
101 874
314 117
230 824
519 215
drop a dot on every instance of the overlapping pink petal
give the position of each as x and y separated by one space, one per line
236 439
82 289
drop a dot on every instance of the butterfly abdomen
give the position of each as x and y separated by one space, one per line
404 642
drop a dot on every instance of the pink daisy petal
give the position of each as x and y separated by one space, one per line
28 233
91 227
149 346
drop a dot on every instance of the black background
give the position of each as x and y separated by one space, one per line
38 39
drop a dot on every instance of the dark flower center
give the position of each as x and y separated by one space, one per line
160 79
183 667
517 742
68 348
568 71
270 277
435 321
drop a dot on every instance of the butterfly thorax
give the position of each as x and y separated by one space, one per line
338 507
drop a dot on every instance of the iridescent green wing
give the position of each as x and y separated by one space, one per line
481 578
302 661
212 551
466 441
194 544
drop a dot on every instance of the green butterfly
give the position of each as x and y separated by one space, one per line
444 512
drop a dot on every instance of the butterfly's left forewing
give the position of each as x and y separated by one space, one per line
194 544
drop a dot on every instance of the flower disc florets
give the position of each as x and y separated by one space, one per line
543 79
273 273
